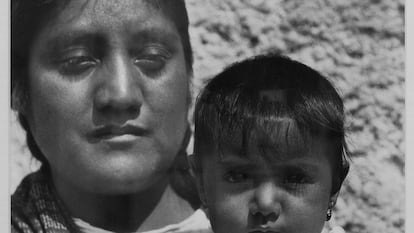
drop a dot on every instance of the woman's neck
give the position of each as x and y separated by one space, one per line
153 208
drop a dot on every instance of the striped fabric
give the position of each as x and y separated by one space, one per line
35 207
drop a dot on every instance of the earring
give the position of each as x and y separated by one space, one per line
329 212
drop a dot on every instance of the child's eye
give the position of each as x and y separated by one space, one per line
236 177
296 178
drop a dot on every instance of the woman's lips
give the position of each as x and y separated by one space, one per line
117 134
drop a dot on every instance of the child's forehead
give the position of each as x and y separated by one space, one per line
273 163
256 152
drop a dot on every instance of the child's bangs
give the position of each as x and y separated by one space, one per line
268 129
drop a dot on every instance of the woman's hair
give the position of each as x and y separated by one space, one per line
275 104
28 18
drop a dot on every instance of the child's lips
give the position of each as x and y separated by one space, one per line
263 230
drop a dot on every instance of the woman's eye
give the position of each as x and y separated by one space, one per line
76 65
152 59
236 177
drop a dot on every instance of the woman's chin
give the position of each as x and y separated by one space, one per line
121 174
128 183
117 179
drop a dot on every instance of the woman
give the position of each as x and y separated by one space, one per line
101 88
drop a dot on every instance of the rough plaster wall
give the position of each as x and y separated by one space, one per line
359 44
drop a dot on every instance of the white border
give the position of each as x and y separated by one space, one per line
4 114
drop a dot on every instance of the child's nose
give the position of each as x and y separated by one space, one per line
266 202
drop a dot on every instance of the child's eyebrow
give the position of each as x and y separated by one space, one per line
233 161
292 165
247 166
305 166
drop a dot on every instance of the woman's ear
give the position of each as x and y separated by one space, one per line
197 172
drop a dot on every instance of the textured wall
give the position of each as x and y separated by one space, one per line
359 44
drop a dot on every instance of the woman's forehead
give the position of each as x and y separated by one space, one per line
91 20
108 10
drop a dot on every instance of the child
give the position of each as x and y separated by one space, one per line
270 153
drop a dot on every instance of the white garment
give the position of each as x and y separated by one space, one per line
196 223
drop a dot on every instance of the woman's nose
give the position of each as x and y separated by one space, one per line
266 204
119 93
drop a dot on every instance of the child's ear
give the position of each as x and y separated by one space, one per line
333 198
331 205
199 178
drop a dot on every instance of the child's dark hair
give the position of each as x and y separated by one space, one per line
276 103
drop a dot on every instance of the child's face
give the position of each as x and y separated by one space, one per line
248 194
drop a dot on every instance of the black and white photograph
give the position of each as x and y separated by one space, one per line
214 116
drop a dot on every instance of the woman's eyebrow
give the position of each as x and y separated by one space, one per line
68 38
155 33
62 40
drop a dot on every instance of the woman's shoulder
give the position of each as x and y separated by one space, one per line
24 215
35 207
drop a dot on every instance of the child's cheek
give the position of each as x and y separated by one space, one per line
230 212
309 210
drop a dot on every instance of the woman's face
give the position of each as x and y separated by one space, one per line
248 194
108 95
